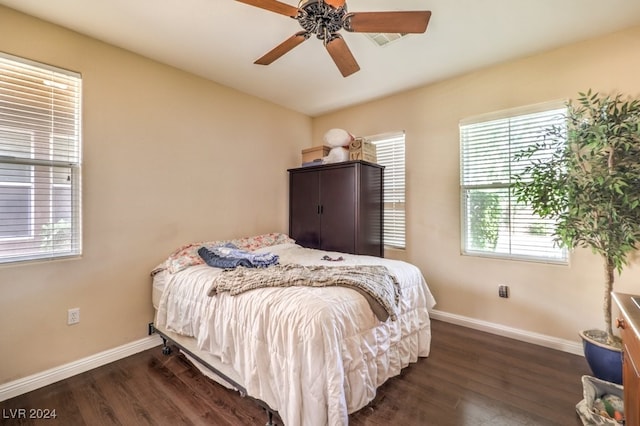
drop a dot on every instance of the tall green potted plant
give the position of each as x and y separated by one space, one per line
586 177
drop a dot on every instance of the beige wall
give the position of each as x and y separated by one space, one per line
169 158
553 300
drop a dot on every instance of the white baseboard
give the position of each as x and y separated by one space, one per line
38 380
513 333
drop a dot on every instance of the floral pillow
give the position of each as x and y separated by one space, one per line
187 255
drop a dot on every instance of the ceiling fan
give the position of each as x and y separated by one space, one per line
325 18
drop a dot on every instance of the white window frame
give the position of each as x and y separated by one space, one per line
390 152
488 144
43 102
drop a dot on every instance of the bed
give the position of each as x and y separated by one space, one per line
313 354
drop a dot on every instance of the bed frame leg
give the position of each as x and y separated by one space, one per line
269 417
166 349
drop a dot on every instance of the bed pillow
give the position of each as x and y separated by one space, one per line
187 255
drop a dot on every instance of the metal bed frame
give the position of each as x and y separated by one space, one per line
169 338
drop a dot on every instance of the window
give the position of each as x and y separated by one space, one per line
39 161
493 222
390 153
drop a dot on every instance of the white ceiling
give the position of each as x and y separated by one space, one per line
220 39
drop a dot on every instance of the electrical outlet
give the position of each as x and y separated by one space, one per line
73 316
503 291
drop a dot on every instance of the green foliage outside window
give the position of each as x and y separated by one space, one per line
484 219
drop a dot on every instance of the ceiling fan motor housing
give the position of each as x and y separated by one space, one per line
319 18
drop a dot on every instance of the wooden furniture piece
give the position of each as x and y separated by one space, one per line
629 325
337 207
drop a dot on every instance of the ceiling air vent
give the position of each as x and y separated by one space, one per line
382 39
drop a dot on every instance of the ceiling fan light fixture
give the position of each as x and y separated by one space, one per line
319 18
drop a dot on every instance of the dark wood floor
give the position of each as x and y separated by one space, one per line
471 378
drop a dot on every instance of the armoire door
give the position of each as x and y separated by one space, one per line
338 206
304 209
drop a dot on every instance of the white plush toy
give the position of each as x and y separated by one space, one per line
338 140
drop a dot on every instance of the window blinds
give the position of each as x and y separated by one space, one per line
494 223
391 154
39 161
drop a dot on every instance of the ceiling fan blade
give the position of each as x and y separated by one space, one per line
342 56
388 22
335 3
282 48
273 6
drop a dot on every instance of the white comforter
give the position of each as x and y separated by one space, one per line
313 354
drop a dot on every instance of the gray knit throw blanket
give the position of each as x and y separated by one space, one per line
375 283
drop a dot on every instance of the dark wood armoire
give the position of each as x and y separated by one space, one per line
338 207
